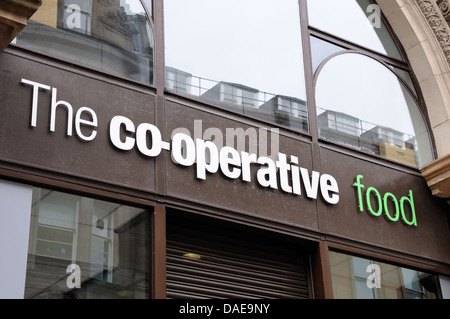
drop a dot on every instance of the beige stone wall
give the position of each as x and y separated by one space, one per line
425 35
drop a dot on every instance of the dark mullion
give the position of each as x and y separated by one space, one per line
353 46
158 252
308 71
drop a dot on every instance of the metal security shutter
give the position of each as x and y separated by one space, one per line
230 264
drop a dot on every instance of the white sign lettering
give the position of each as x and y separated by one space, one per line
209 159
92 122
277 171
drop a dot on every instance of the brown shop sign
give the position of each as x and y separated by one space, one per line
284 173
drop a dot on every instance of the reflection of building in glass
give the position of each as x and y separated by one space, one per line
178 81
343 129
232 95
392 144
340 122
105 240
288 111
280 109
348 130
349 275
95 33
380 134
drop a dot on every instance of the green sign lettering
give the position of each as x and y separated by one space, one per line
404 208
386 207
369 204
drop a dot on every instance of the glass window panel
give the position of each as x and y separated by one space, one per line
362 290
360 266
411 279
320 50
107 241
149 6
362 104
406 76
113 36
351 278
358 21
241 55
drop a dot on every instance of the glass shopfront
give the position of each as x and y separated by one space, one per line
80 247
361 278
85 248
346 105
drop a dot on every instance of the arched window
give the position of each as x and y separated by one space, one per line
364 92
250 57
363 104
112 36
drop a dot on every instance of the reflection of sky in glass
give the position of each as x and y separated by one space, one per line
357 27
359 86
320 50
349 19
256 43
133 6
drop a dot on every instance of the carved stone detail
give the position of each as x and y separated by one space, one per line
437 14
444 6
433 12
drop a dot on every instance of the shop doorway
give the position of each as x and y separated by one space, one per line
208 258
